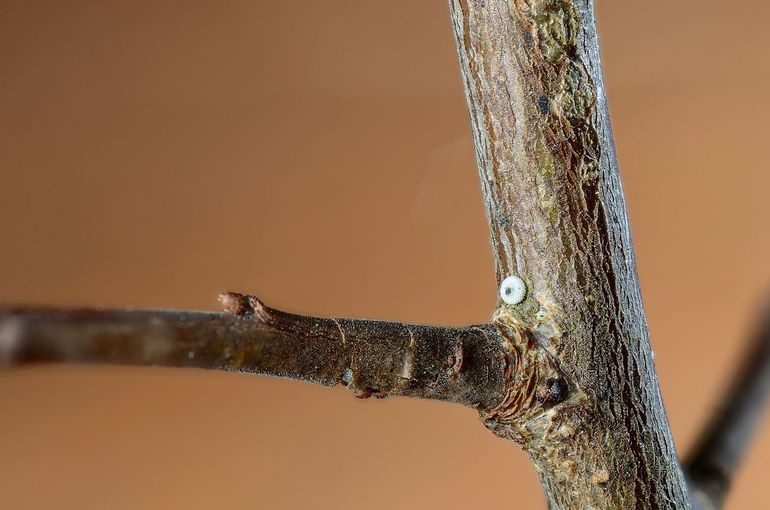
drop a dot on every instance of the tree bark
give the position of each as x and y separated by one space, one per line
372 358
564 367
557 219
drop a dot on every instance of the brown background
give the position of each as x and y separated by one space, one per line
153 153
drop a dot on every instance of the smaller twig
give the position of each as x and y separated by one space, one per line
722 444
372 358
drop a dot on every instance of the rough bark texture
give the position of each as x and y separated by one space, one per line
557 219
567 372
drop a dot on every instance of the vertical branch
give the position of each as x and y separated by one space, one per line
557 220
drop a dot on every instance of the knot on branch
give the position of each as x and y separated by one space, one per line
244 305
378 358
534 385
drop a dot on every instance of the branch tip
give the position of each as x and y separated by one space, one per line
10 332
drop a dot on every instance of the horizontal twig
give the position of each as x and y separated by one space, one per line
372 358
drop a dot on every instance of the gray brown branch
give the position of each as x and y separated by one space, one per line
372 358
557 219
723 442
566 372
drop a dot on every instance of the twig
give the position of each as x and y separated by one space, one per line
372 358
721 446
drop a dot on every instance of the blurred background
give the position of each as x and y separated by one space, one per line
318 154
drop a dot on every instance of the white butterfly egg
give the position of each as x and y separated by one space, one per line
513 290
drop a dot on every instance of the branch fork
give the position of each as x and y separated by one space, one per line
494 368
565 369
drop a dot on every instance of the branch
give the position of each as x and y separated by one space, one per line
372 358
557 219
722 444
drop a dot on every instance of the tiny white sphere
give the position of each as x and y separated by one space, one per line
513 290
